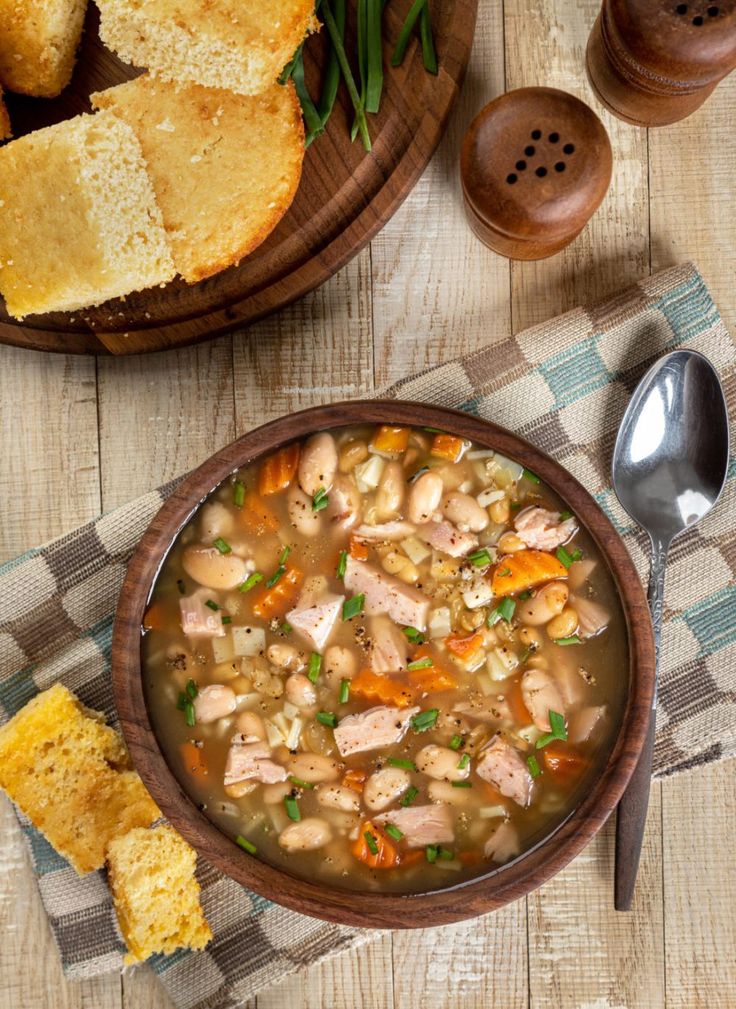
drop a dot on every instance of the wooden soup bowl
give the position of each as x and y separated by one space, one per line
374 909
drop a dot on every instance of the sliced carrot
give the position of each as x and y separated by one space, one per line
355 779
515 701
274 602
194 761
412 857
383 689
564 762
392 440
524 570
387 854
447 446
430 679
154 619
278 470
358 549
464 647
256 516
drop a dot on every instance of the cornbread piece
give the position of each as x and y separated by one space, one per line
72 776
156 896
4 119
224 167
38 43
242 45
78 218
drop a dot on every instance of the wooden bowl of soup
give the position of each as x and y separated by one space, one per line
384 663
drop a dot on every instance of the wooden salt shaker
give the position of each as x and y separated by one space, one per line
652 62
535 165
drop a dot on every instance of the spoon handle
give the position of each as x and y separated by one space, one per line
631 817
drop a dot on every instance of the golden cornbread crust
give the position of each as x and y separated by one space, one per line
155 892
38 44
71 775
224 167
242 45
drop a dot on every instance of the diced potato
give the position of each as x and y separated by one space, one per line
444 568
530 734
439 623
478 594
368 474
493 812
415 550
501 663
489 495
292 740
274 735
223 649
248 640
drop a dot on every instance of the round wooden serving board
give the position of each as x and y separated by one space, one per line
344 198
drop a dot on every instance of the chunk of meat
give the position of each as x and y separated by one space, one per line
422 825
387 532
389 647
586 723
385 594
344 505
503 843
544 530
251 761
372 729
541 695
316 623
592 617
443 536
197 619
506 770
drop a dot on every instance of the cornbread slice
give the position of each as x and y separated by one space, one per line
38 44
72 776
242 45
224 167
156 895
78 218
4 119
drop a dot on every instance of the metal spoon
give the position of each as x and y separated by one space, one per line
669 467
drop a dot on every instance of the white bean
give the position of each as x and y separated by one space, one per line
338 797
273 794
314 767
318 463
301 515
441 762
284 656
547 603
463 510
216 519
345 503
390 492
250 724
208 567
339 664
443 791
425 497
384 787
213 702
300 691
307 835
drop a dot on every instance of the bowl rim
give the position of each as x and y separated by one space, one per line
361 908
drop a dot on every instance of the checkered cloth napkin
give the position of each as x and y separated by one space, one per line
564 386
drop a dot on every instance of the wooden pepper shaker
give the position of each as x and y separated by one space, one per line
652 62
535 165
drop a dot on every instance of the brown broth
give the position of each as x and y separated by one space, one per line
171 660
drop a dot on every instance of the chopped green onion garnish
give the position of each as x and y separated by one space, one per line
530 476
409 796
526 594
563 556
284 556
424 663
222 545
533 765
431 852
320 500
292 808
182 701
577 554
227 620
447 853
504 611
352 607
565 515
285 628
280 570
344 691
558 730
371 842
393 832
246 845
212 605
327 718
408 765
181 586
425 720
464 761
480 558
461 784
315 667
456 742
299 782
191 689
572 640
239 493
342 564
189 714
251 581
434 430
413 635
504 573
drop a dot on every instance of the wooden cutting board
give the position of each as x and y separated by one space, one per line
344 198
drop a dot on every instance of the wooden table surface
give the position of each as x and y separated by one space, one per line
81 436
